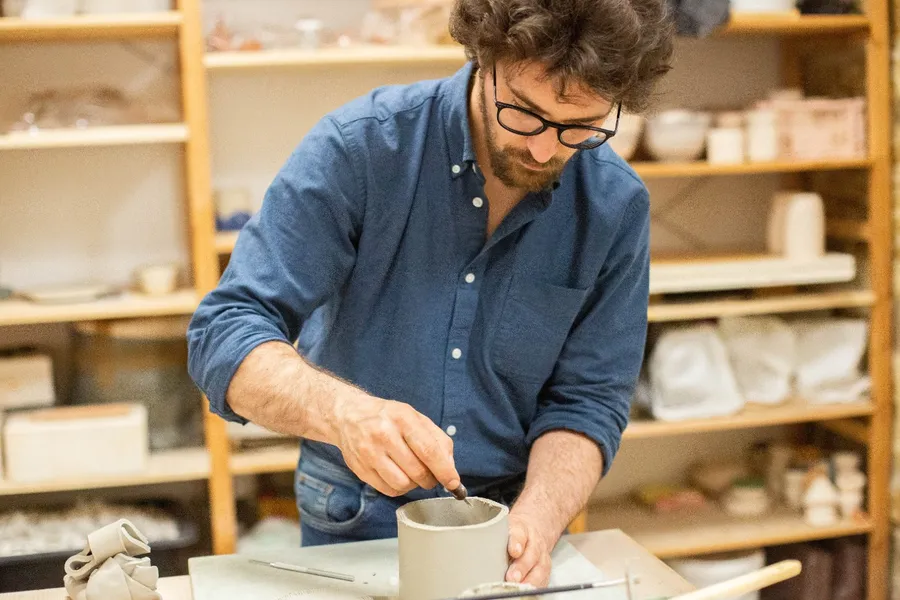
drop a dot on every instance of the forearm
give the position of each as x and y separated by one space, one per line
276 388
564 467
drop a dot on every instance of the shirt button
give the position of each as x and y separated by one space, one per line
457 353
477 202
470 278
456 169
451 431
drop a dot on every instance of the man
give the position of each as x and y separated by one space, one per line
463 266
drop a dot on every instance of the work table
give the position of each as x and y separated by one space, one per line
609 550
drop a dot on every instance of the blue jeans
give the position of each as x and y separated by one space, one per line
336 507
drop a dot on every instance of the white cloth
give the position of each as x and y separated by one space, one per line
107 568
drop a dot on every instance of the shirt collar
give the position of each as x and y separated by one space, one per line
456 116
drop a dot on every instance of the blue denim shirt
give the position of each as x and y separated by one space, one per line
370 251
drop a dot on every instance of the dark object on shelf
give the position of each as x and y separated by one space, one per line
699 18
5 293
828 7
849 580
814 581
41 571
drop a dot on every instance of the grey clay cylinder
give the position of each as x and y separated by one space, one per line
447 547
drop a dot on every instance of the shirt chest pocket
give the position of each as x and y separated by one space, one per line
533 327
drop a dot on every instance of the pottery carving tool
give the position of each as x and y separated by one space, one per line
461 493
305 570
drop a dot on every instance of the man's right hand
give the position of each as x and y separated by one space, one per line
392 447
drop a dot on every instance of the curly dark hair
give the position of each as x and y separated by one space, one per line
618 49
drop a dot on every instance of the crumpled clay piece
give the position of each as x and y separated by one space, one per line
107 568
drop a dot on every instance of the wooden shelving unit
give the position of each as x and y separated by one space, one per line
275 459
91 27
710 530
189 464
361 55
789 413
125 135
124 306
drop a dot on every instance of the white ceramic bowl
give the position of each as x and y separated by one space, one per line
677 135
628 135
158 280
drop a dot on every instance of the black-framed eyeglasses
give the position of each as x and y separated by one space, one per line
522 121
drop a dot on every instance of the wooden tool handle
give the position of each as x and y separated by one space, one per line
750 582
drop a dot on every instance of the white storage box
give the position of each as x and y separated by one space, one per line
76 442
26 381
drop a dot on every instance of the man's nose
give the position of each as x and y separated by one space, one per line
543 146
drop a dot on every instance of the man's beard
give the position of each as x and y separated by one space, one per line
507 164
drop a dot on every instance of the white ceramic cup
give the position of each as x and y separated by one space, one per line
158 280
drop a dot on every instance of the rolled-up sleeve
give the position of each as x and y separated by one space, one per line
292 256
592 386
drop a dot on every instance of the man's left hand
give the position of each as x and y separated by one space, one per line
529 548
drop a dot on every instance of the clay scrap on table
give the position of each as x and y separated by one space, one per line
108 567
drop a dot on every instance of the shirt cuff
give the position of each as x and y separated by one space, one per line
599 426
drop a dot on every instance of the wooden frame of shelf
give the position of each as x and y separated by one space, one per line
171 466
119 135
711 530
124 306
357 55
90 27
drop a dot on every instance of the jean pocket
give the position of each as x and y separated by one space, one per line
327 499
536 320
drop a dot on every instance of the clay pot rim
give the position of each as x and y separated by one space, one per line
403 518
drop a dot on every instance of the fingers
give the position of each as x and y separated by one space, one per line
531 562
374 479
434 449
411 466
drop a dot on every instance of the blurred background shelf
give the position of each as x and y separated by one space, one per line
794 411
796 25
711 530
679 310
359 55
650 169
188 464
90 27
275 459
225 241
123 135
124 306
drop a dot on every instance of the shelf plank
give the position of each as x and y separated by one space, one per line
792 412
653 169
225 241
274 459
667 311
119 135
795 24
711 530
187 464
124 306
359 55
91 27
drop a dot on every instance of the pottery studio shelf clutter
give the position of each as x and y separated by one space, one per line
683 289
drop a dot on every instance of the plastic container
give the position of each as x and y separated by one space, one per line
704 571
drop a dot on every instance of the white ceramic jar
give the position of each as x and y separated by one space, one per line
725 145
762 135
